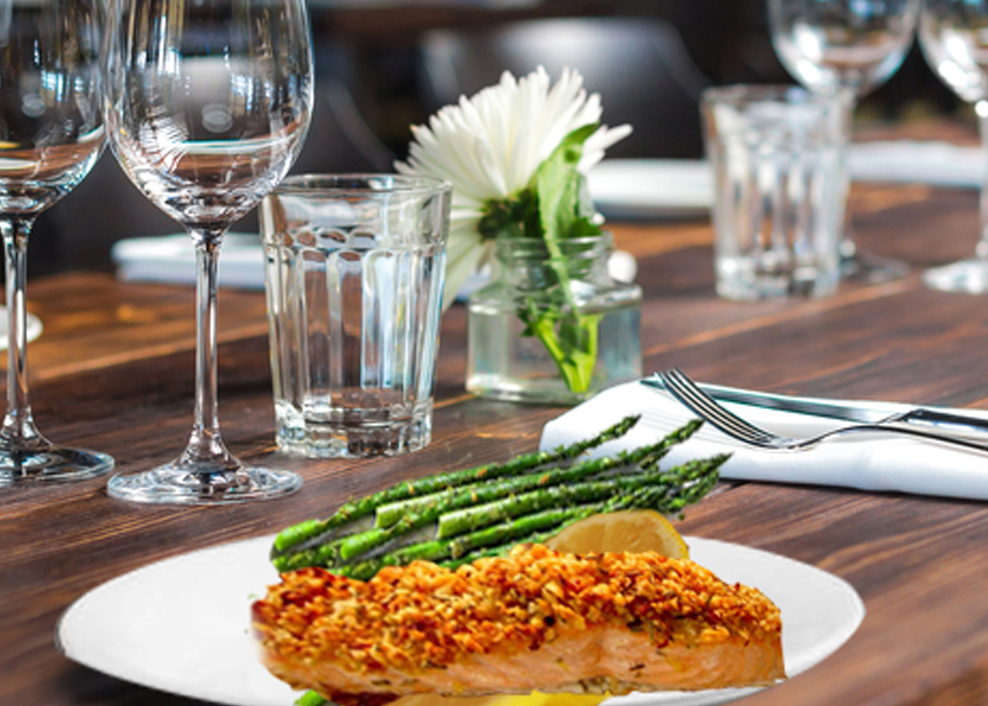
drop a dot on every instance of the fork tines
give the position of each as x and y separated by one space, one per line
680 386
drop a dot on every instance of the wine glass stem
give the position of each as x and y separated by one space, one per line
19 432
206 450
981 250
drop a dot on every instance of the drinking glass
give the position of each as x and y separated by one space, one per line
775 152
954 38
51 134
207 105
849 47
355 265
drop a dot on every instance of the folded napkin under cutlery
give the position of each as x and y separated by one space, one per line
876 462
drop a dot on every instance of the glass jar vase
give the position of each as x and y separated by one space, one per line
552 326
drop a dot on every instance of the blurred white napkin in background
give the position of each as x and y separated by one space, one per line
651 188
934 163
881 462
171 258
682 188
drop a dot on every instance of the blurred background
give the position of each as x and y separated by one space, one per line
383 65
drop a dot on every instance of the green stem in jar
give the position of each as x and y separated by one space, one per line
568 334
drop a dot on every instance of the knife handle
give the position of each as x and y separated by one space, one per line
943 419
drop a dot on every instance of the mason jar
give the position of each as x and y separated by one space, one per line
552 326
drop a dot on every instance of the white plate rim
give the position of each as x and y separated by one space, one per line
832 591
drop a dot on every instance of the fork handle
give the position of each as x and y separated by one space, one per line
890 426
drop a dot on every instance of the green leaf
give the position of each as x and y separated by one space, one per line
559 189
564 212
514 217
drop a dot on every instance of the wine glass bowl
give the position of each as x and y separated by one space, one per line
208 103
51 135
827 46
954 40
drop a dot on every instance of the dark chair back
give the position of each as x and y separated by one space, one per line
639 66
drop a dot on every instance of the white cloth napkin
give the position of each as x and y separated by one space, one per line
676 188
934 163
171 258
876 462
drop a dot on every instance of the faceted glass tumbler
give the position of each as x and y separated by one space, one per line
776 156
355 266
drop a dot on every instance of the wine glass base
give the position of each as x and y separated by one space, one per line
970 276
871 270
175 484
52 465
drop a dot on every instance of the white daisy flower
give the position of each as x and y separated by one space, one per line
490 146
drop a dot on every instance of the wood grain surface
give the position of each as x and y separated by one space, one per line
113 371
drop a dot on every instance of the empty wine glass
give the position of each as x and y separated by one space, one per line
954 37
51 134
207 104
847 48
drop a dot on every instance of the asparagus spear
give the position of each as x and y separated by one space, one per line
319 529
667 492
395 512
645 498
461 521
420 512
311 698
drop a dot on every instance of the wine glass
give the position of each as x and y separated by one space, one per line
954 40
846 47
207 104
51 134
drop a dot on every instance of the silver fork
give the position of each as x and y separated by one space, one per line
710 410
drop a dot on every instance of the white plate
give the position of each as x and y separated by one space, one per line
182 625
33 327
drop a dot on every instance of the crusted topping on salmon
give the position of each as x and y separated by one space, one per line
407 625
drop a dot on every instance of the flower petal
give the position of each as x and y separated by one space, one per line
490 145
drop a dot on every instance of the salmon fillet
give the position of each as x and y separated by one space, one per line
534 620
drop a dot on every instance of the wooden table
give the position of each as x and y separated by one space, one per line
113 371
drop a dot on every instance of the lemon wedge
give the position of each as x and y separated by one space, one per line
625 531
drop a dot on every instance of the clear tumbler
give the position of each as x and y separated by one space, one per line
355 266
779 200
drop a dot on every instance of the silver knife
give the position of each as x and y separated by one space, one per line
833 409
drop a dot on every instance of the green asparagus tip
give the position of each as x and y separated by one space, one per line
294 534
310 698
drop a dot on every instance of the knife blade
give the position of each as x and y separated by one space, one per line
846 411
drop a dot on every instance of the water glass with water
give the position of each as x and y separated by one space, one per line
354 272
776 156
